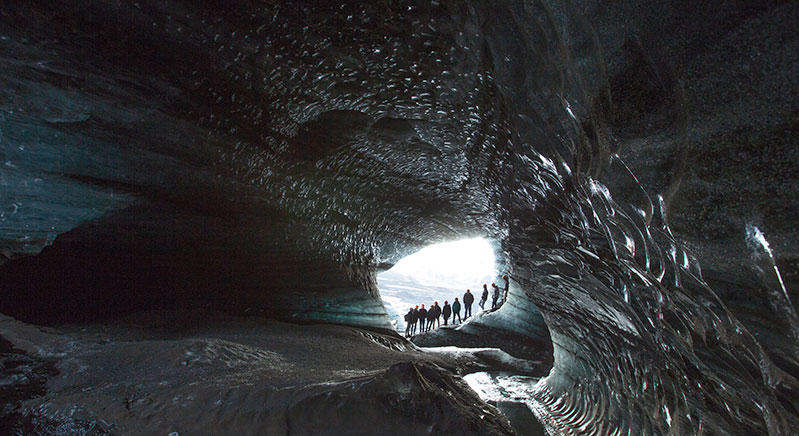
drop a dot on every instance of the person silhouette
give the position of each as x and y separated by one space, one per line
495 297
431 317
446 311
422 319
456 311
408 322
414 319
468 299
484 297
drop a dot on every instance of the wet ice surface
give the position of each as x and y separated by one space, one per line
453 121
479 359
181 372
497 378
513 395
502 386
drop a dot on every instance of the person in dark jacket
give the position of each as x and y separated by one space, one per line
495 297
456 310
408 322
507 286
446 311
468 299
422 319
415 319
484 297
431 317
438 315
414 316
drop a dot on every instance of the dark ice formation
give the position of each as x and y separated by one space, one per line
636 163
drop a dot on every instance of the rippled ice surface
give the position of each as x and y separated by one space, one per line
502 388
472 118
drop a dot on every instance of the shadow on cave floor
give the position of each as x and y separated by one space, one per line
167 371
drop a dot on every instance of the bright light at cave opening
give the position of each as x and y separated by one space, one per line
436 273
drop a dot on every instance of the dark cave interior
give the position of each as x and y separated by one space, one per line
635 164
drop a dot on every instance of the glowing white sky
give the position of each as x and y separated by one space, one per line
459 264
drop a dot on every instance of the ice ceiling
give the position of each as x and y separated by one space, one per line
270 157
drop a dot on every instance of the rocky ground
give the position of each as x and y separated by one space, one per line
201 373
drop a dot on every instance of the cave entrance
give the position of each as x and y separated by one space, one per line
436 273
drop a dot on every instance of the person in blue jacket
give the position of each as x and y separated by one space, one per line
456 311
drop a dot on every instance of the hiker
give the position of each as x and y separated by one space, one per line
507 285
431 317
447 311
468 299
495 297
414 318
436 320
408 322
484 297
422 319
456 311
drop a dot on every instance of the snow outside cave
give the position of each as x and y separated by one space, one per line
436 273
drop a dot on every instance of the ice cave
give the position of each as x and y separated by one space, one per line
197 198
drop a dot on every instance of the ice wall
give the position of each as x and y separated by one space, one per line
270 158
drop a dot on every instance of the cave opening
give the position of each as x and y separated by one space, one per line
439 272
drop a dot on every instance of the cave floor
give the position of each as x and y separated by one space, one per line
182 371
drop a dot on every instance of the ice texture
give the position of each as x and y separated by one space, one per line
270 158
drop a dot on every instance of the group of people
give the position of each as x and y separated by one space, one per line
429 318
